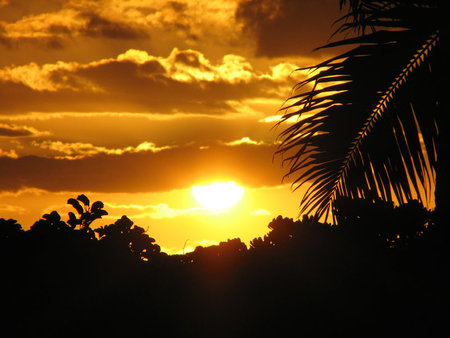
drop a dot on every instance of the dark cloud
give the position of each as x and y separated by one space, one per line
189 59
4 40
288 27
8 131
98 26
152 67
175 17
144 172
14 10
38 19
44 43
179 7
52 41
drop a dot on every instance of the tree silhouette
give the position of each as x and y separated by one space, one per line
87 213
370 121
11 238
290 237
125 237
282 229
50 223
229 250
378 220
10 229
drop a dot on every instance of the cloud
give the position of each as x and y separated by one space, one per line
22 192
118 131
78 150
56 24
146 171
189 246
287 27
45 29
260 212
12 209
244 140
7 130
8 154
158 211
59 25
277 118
43 78
183 82
98 26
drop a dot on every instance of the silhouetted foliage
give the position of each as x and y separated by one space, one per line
328 280
228 251
10 229
284 230
395 226
50 223
87 214
373 119
125 237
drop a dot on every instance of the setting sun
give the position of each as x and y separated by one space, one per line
218 195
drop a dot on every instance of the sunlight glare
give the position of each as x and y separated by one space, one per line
218 195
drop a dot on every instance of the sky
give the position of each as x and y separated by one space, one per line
134 102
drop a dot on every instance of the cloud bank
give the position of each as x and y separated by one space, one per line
183 82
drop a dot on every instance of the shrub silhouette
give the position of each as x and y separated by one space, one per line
287 232
125 237
50 223
87 213
375 218
10 229
226 251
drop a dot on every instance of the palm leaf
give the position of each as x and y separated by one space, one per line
366 119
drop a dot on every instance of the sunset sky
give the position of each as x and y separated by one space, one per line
134 102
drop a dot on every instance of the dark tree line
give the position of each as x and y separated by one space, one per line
380 273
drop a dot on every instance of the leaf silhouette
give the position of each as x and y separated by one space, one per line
97 205
52 217
73 221
76 205
83 199
367 120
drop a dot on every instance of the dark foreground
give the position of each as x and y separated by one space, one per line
304 279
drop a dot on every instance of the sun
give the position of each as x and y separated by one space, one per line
218 195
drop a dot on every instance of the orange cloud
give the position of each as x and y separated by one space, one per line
146 171
244 140
260 212
56 28
80 150
157 211
183 82
10 153
59 23
11 208
13 130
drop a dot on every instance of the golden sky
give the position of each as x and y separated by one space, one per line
133 102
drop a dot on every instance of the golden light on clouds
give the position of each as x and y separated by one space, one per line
79 150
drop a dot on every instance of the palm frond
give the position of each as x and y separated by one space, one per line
366 118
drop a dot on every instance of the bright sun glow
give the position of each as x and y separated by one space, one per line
218 195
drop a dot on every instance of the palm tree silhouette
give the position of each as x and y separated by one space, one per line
369 122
